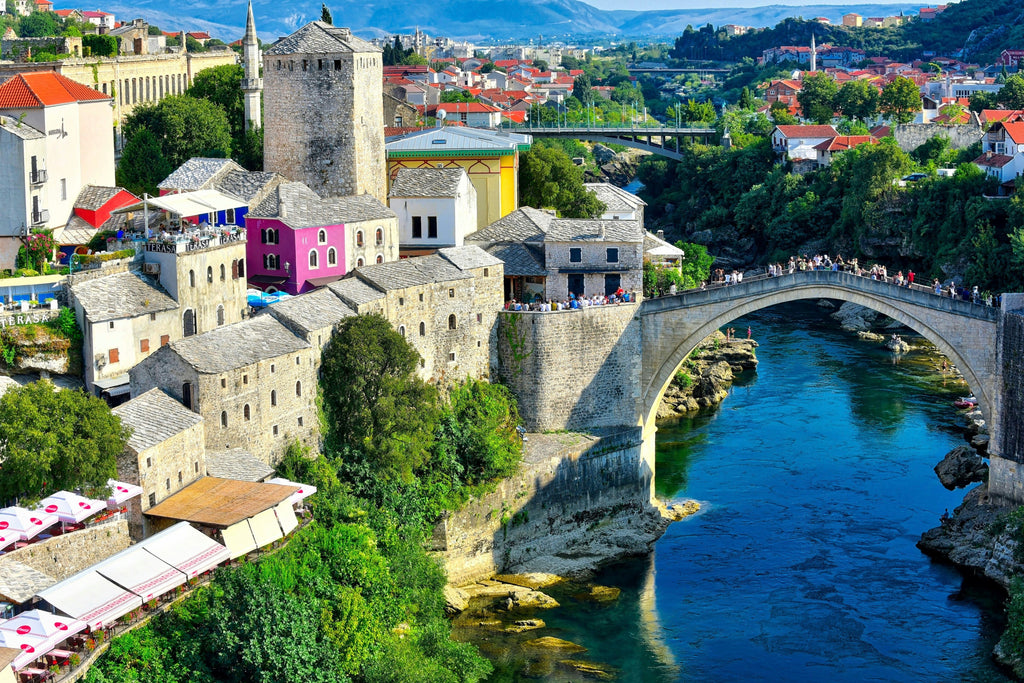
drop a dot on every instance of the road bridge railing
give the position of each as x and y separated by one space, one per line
763 284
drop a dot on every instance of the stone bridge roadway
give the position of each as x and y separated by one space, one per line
673 326
665 141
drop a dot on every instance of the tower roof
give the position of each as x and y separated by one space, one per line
318 36
250 27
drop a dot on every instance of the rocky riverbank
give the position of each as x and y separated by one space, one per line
706 375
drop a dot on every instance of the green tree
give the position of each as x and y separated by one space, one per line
1011 95
55 439
193 45
548 178
818 98
696 264
185 126
780 114
143 164
478 430
39 25
746 102
857 100
540 64
373 402
982 100
250 154
900 100
583 89
325 14
222 85
457 96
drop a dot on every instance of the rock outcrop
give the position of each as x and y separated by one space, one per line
707 374
856 318
617 168
960 467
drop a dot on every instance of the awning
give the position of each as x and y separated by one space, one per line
141 572
305 490
112 382
266 280
238 539
91 598
286 517
43 632
186 548
321 281
121 492
265 528
25 523
188 204
71 507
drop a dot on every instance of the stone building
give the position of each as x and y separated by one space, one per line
323 112
253 382
223 175
399 113
164 454
436 207
619 205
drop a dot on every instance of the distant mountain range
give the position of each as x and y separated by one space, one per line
469 19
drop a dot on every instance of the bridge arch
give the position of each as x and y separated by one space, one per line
672 329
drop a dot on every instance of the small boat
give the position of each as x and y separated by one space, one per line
966 402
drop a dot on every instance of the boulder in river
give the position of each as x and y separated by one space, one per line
599 594
551 643
455 600
960 467
600 672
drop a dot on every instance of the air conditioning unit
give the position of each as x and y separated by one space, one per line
151 268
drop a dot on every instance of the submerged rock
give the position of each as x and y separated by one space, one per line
551 643
528 599
525 625
600 594
960 467
531 580
600 672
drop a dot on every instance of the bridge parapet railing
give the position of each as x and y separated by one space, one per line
765 284
650 129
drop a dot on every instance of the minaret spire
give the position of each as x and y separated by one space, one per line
252 84
814 54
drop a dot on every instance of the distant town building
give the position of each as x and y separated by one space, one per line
853 20
1003 153
1011 58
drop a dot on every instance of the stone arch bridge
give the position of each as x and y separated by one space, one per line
607 367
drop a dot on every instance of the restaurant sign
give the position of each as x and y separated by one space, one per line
12 319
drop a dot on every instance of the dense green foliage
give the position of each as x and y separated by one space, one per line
857 100
100 46
143 164
222 85
549 179
818 98
55 439
900 100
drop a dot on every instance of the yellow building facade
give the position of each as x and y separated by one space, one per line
490 159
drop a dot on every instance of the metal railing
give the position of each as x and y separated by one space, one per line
41 216
37 176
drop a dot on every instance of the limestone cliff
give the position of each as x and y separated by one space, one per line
707 374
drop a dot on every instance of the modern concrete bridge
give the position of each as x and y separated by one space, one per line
664 141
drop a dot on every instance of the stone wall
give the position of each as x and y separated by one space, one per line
572 505
910 136
62 556
572 369
20 49
1007 462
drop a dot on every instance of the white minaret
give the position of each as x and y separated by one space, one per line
252 84
814 55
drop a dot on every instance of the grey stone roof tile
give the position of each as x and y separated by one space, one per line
248 185
459 138
122 295
19 582
304 208
20 130
427 182
312 311
411 272
92 197
238 345
316 37
238 464
355 292
615 198
195 173
519 259
469 256
153 418
582 230
525 224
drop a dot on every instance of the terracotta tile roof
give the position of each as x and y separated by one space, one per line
43 89
844 142
1015 130
993 160
993 115
808 131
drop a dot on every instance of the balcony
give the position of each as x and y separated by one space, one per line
41 217
38 176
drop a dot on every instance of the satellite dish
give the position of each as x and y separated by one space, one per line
442 114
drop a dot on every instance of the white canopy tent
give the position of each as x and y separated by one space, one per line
286 517
91 598
305 490
188 204
121 493
71 508
25 523
141 572
43 630
186 548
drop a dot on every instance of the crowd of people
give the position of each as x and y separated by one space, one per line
571 302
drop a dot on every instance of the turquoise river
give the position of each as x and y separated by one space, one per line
815 479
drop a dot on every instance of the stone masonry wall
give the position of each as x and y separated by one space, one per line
572 369
62 556
568 484
1007 476
910 136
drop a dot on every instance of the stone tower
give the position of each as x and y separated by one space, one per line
324 111
814 55
252 84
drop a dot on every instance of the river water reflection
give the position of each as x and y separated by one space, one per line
816 480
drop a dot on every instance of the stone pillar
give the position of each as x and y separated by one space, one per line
1006 428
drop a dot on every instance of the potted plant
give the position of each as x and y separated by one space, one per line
75 659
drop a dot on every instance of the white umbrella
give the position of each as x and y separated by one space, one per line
53 628
305 490
121 492
71 507
24 523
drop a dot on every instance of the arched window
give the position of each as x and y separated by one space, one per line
234 269
223 418
313 259
380 236
401 330
273 397
241 267
209 273
298 388
245 412
188 322
451 322
423 329
191 278
359 238
220 314
380 258
223 273
321 237
359 262
332 257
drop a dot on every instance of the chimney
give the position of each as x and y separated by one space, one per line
661 235
600 231
282 210
988 154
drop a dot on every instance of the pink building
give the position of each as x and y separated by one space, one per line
298 241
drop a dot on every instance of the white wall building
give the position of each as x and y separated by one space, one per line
436 207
